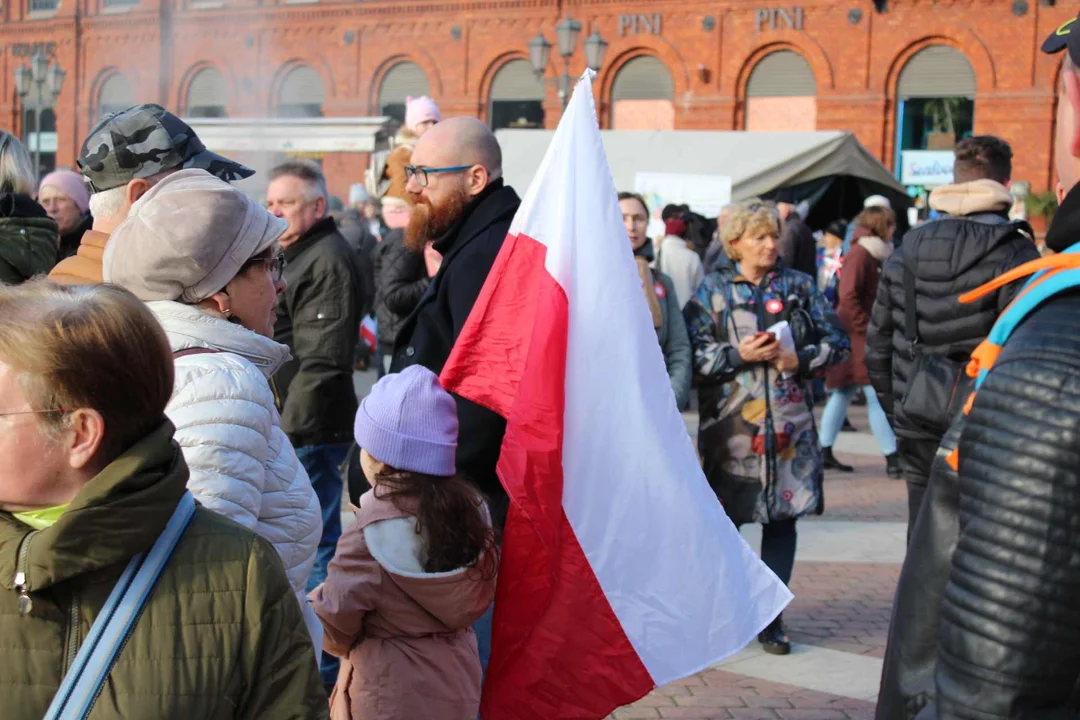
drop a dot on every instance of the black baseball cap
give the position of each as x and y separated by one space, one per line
1066 36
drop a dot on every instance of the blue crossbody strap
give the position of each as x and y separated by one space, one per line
118 616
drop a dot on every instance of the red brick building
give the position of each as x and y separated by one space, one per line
902 74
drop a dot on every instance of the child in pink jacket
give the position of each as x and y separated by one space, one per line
414 571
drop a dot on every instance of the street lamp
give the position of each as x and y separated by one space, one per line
49 79
566 34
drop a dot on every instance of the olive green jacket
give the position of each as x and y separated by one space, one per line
28 247
220 637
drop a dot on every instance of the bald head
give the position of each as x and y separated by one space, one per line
460 141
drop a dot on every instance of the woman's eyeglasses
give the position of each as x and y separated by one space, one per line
275 264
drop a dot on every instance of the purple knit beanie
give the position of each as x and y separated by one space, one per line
410 423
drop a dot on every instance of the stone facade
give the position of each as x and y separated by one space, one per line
855 52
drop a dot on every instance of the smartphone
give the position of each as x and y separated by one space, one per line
769 335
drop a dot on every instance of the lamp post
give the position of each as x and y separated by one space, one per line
566 34
48 78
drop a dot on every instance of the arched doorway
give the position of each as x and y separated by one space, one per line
517 97
781 94
935 108
115 95
301 94
642 96
404 80
207 95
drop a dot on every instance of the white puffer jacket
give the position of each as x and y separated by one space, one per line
242 464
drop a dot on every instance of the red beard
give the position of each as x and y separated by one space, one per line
430 222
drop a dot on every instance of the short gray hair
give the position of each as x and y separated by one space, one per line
109 203
305 170
16 170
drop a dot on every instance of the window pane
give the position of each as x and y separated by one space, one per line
43 5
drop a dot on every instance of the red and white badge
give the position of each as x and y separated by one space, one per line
774 306
660 291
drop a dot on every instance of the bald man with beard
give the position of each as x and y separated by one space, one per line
465 209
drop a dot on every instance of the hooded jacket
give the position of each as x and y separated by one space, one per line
858 284
404 635
241 463
28 239
220 637
985 625
948 256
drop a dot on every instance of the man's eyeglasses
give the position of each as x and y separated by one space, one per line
276 264
421 173
33 412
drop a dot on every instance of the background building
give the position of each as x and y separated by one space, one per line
906 76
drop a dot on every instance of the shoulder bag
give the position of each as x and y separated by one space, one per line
938 384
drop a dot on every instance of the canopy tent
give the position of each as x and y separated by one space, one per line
830 169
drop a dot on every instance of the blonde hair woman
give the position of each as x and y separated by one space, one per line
757 438
28 236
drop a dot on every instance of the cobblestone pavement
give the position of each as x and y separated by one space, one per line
839 619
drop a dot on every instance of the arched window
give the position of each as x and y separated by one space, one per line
115 95
642 96
207 95
517 97
935 108
301 94
781 94
404 80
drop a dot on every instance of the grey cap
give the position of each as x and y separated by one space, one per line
187 238
145 140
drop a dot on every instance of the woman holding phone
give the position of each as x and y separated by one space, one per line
759 333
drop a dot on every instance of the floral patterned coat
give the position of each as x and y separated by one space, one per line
757 437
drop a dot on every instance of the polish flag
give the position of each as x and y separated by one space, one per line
620 571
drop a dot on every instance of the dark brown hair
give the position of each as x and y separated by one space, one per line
635 196
450 516
878 220
982 157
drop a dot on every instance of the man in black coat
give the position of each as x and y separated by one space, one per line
947 257
985 624
319 319
464 206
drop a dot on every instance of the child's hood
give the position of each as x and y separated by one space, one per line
456 598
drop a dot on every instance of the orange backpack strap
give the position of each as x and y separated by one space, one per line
1055 274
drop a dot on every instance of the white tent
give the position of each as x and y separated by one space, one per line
756 162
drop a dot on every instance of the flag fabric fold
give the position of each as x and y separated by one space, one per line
620 571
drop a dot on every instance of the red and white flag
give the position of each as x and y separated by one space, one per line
620 571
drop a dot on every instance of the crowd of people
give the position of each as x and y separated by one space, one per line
166 337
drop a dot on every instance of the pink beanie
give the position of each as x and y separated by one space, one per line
421 109
71 184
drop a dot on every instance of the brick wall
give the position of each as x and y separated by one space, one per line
709 47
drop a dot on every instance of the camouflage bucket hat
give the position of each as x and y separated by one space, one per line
145 140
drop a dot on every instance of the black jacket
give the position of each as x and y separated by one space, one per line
400 281
798 249
428 335
319 319
949 257
354 228
28 239
69 241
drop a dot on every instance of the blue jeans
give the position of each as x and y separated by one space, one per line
832 418
323 465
